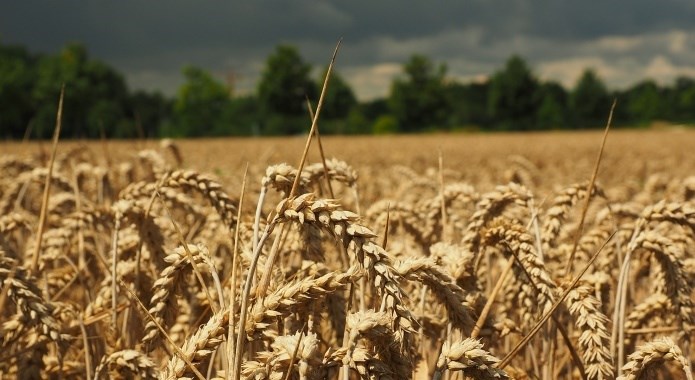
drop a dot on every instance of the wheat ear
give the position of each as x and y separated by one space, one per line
594 338
444 287
344 227
652 353
469 357
127 363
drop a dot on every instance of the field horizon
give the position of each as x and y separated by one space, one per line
418 151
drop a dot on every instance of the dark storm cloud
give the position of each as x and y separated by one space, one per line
150 40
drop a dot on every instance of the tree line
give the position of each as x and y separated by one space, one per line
98 102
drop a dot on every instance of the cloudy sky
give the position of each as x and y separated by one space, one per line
149 41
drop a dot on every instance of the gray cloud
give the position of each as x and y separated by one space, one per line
151 40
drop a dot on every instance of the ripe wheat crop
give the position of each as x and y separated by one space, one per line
150 267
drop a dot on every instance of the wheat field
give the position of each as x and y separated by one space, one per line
473 256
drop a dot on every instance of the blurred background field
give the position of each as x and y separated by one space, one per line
559 157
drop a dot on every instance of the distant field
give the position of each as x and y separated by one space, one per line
383 266
568 155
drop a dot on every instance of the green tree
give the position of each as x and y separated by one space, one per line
362 118
244 115
17 73
512 100
374 108
338 102
469 104
151 113
95 95
682 101
552 108
202 106
419 99
282 91
589 101
357 122
644 102
385 124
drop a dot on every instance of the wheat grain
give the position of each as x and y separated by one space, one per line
127 363
594 338
520 244
469 357
652 353
163 303
427 271
334 296
344 227
35 310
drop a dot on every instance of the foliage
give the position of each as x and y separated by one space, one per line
339 99
16 81
99 103
589 101
357 122
244 116
644 102
468 104
202 106
385 124
681 100
337 116
419 99
285 83
552 108
151 113
95 94
282 92
513 98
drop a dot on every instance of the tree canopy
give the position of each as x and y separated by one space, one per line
17 75
202 105
552 106
589 101
95 100
283 89
423 97
513 98
418 100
